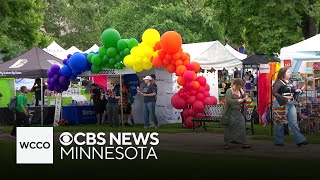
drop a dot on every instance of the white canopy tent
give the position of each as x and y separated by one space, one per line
56 50
73 50
93 48
302 52
236 53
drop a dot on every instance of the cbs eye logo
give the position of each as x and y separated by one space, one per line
66 138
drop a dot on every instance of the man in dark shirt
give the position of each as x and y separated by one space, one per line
113 96
37 90
97 102
236 73
149 93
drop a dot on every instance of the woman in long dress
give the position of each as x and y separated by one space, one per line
235 130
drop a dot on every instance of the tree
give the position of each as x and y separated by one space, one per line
267 25
20 25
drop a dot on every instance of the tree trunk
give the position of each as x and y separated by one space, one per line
309 27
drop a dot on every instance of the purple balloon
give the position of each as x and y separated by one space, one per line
55 69
57 88
56 76
50 73
50 87
53 81
63 80
66 71
69 55
65 61
64 88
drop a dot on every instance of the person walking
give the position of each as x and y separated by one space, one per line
284 109
235 129
149 93
22 113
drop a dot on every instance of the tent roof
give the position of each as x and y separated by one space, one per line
211 54
236 53
257 59
73 50
56 50
32 64
307 49
93 48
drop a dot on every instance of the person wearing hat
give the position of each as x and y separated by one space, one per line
149 93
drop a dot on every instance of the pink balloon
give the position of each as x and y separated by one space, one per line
201 89
214 99
198 107
202 80
198 115
206 94
178 102
200 97
187 112
193 92
188 122
190 67
188 76
191 100
207 87
190 85
208 101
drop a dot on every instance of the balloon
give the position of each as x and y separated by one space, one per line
95 69
50 87
73 76
181 81
66 71
188 123
150 37
196 66
69 55
195 76
126 51
207 87
206 94
202 80
162 54
178 63
50 74
196 85
112 61
96 60
190 67
105 60
147 66
56 76
55 69
188 76
180 70
193 92
198 107
171 68
200 97
187 112
137 67
156 61
110 38
53 81
191 100
171 42
64 88
201 89
178 102
176 56
190 84
215 100
77 62
89 57
112 52
102 51
183 56
198 115
118 58
57 88
132 43
65 61
208 101
186 62
122 44
128 61
63 80
157 46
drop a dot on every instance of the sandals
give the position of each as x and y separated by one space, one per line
245 146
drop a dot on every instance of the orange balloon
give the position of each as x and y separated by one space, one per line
157 46
171 42
176 56
173 61
156 62
195 77
187 54
166 62
162 54
183 56
171 68
186 62
178 63
169 57
180 70
196 85
181 81
196 66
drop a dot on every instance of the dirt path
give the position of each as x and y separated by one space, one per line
213 144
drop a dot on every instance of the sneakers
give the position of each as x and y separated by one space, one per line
303 143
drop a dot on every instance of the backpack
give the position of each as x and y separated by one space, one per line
13 103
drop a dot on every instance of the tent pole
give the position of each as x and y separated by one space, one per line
121 105
42 101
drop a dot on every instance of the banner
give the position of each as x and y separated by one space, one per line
58 107
264 68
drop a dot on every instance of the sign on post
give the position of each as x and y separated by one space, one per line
57 112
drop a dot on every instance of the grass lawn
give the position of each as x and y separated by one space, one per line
169 164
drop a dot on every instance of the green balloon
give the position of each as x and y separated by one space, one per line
122 44
118 58
109 66
96 69
102 51
96 60
132 43
126 51
110 37
122 54
105 60
112 52
112 61
89 57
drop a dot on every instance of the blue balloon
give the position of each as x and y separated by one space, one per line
88 66
73 77
85 54
77 62
66 71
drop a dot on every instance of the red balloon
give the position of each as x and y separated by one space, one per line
207 87
171 42
215 100
157 62
191 100
188 122
201 89
169 57
208 101
190 67
206 94
198 115
178 102
157 46
162 54
188 76
183 56
178 63
202 80
193 92
200 97
190 84
198 107
176 56
171 68
187 112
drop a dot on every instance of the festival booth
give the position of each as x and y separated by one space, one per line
32 64
303 59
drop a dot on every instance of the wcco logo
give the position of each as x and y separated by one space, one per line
34 145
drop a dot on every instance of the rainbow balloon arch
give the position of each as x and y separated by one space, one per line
154 51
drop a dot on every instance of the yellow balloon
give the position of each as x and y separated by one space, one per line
148 52
146 60
134 51
128 61
137 67
155 54
147 66
150 37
